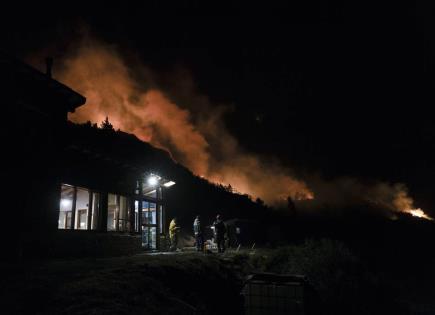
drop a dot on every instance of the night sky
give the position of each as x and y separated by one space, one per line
325 87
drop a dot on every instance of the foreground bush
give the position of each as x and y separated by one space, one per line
344 284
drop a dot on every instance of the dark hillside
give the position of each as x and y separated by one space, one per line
190 196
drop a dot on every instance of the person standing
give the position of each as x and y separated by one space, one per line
219 230
238 236
197 231
174 229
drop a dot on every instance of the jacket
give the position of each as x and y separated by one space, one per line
173 228
219 228
197 227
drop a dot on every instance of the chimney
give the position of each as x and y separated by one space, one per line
49 65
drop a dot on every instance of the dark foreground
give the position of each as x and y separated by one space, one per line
191 283
141 284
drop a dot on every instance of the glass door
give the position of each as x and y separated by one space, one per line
149 225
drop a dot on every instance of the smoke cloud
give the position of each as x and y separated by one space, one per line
176 118
346 191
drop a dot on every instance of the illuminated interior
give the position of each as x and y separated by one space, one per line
74 210
142 212
66 202
81 209
118 213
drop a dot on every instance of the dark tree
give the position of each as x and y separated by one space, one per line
259 201
106 125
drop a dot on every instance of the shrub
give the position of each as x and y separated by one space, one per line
343 283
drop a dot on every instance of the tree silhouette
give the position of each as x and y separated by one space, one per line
259 201
106 125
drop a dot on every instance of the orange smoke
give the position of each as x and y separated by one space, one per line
103 78
343 192
194 133
404 203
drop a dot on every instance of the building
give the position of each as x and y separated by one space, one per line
64 180
112 182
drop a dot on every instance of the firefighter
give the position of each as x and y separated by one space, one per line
197 231
174 230
219 230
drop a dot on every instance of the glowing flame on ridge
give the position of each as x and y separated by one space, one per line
418 213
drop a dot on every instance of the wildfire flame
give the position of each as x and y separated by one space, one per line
418 213
404 203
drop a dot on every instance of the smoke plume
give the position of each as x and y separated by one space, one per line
343 192
176 118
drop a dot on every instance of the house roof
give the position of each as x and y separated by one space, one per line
21 77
